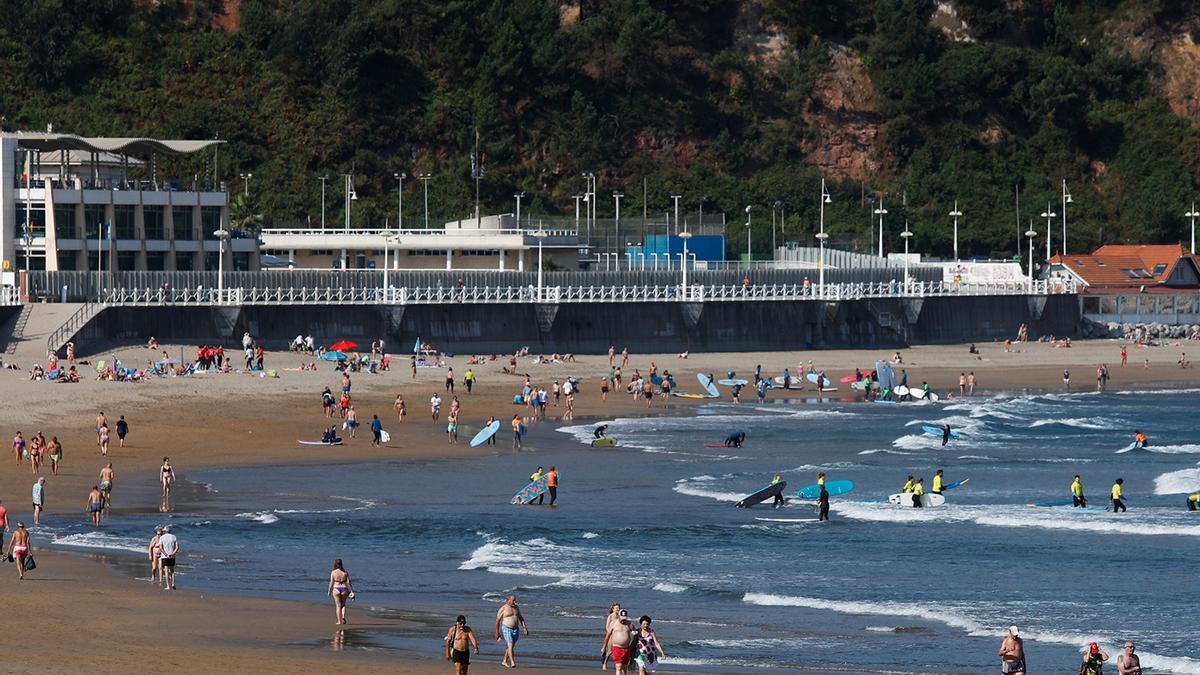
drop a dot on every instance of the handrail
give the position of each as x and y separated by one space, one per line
72 325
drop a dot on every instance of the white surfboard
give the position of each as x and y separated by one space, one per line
933 397
928 500
901 390
860 385
789 520
384 436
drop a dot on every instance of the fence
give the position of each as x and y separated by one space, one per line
9 295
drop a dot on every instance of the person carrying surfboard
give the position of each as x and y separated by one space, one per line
937 480
1193 502
908 485
1077 498
823 502
779 500
918 490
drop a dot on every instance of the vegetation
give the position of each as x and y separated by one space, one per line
631 89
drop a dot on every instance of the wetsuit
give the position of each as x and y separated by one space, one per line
735 439
1117 504
937 484
600 431
945 434
779 500
1077 498
823 504
1193 502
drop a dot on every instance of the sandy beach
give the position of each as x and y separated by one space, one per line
114 623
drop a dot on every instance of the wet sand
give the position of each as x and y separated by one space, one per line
114 623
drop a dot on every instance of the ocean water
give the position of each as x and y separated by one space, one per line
651 524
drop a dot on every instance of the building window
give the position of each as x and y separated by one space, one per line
93 220
123 222
480 253
181 217
37 218
185 262
64 223
427 252
210 221
241 261
152 219
156 261
68 261
126 260
211 262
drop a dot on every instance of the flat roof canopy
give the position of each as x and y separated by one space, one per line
48 142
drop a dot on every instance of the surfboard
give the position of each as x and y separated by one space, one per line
901 390
683 394
384 436
932 396
828 388
1131 447
860 385
734 382
337 442
1066 502
717 445
812 377
957 484
762 495
789 520
937 431
708 385
606 442
849 378
833 487
928 499
530 492
879 400
485 433
794 384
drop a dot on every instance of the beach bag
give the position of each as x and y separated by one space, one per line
29 564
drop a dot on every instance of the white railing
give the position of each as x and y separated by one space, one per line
393 232
9 295
427 295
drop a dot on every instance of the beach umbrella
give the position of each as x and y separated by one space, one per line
417 346
343 346
333 356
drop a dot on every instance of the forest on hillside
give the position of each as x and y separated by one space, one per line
727 102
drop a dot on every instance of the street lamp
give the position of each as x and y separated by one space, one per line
246 183
685 235
821 237
676 199
393 239
351 196
519 195
749 255
617 196
323 178
955 214
425 179
774 208
221 235
577 199
399 202
1031 234
1048 214
1193 214
1066 199
589 198
880 211
906 235
540 234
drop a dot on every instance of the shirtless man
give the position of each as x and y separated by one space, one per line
1012 653
617 641
460 640
101 421
18 548
107 475
1128 663
509 623
95 504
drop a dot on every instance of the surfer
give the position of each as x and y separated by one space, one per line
823 501
736 393
1140 440
1077 498
762 391
1117 493
330 435
908 485
945 433
600 431
735 439
509 623
1193 502
787 379
779 500
937 481
516 427
918 490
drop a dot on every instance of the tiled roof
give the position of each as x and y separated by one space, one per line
1125 265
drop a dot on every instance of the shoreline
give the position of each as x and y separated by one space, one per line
268 423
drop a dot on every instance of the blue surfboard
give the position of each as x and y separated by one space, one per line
762 495
530 492
707 383
417 346
833 487
957 484
937 431
485 433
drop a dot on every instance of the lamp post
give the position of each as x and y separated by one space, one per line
246 183
1048 215
577 199
540 234
881 212
519 195
323 178
821 237
351 196
685 235
774 208
617 196
906 235
1030 234
1066 199
1193 214
589 198
676 198
388 239
749 255
221 235
399 201
955 214
425 179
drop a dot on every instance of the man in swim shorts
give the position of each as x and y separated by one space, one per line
169 546
617 641
1012 653
459 640
95 504
509 623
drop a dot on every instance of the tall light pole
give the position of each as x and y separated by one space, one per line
589 199
955 214
425 179
323 178
774 207
400 200
676 199
881 212
821 237
351 196
1048 215
577 199
1193 214
388 239
1030 234
519 195
540 234
1066 199
906 235
246 183
617 196
221 235
749 255
685 235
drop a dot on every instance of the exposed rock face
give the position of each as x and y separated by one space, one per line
1176 53
845 119
946 18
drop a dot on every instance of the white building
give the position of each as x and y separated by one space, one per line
74 203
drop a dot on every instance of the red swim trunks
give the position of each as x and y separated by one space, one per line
620 654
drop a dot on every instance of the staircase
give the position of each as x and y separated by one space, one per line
18 330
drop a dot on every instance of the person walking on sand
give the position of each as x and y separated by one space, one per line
122 430
170 550
106 484
435 407
399 408
19 447
1067 379
352 420
18 548
647 646
39 501
376 430
618 639
154 553
340 589
104 441
166 475
1012 653
55 450
95 504
460 640
509 623
3 522
101 421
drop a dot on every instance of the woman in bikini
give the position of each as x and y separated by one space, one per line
167 476
154 553
399 406
19 447
35 453
340 589
104 440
